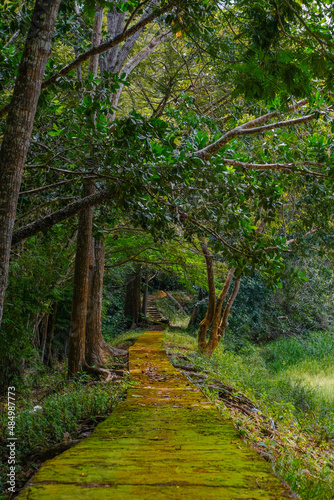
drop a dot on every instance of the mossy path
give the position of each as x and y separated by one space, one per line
166 441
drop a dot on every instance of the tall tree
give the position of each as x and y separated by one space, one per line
113 61
20 122
78 344
77 340
22 108
95 346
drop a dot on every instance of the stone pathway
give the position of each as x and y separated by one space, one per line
166 441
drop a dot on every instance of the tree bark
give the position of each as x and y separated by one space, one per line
95 352
114 58
132 298
224 321
213 317
96 38
93 348
214 335
77 337
20 122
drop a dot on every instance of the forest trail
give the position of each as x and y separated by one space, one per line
166 441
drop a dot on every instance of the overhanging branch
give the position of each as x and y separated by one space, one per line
61 214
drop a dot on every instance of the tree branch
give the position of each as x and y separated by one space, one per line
45 188
213 233
98 50
135 60
311 231
224 321
245 129
288 167
62 214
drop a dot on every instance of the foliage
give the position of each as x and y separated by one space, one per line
225 65
297 308
57 415
33 289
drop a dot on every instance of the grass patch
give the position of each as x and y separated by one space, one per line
290 382
126 339
51 410
42 423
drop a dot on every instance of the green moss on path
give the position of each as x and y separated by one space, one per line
166 441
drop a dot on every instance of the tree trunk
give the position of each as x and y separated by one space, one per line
195 310
145 296
213 314
214 335
20 122
94 352
224 321
132 298
94 341
193 317
81 346
96 38
77 337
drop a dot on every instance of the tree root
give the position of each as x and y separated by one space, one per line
113 350
190 368
102 372
229 395
194 374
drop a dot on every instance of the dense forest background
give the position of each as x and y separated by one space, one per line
164 145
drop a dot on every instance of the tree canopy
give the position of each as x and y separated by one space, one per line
193 121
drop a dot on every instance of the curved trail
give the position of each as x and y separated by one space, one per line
166 441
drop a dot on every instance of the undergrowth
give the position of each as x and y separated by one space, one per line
52 410
290 381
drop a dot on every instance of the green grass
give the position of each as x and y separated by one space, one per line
60 417
291 351
126 338
291 381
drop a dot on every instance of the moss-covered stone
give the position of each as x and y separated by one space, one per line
166 441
